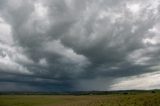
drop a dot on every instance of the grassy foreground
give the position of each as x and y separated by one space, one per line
142 99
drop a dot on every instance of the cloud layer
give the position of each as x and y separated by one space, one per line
66 45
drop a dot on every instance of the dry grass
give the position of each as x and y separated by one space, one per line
145 99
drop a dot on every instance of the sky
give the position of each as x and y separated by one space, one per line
79 45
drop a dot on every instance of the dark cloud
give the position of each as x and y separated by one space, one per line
62 45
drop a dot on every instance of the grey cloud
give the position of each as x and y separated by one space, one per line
81 42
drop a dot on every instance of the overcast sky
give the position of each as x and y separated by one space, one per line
74 45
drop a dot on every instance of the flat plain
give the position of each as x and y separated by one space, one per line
139 99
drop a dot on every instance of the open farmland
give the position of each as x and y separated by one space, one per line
139 99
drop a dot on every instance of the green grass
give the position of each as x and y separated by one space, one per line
29 100
142 99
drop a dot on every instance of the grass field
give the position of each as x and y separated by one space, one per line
142 99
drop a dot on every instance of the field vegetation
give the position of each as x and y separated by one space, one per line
121 99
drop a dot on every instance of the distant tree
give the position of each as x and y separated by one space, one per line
153 91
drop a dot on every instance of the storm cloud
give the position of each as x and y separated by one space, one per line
73 45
